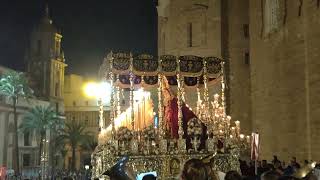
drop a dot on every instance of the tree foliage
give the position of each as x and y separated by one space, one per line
14 85
75 135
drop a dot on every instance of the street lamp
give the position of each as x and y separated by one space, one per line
102 92
44 159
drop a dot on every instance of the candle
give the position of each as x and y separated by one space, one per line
248 139
237 127
233 131
228 120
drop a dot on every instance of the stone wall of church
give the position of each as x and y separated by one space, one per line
236 54
189 27
285 77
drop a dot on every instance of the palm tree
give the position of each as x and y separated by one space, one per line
75 136
14 86
40 119
90 145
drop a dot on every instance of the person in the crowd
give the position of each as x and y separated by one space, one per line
233 175
288 171
275 160
244 168
294 163
288 178
270 167
149 177
306 162
270 175
263 168
283 164
278 168
252 168
212 173
311 176
316 171
194 169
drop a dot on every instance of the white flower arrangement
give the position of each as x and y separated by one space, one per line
124 134
149 133
194 127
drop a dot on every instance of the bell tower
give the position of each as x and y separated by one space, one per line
46 62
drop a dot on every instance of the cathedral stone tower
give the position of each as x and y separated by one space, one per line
46 62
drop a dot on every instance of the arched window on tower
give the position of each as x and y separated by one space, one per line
271 16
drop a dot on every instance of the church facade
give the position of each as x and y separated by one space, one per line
46 63
45 70
271 52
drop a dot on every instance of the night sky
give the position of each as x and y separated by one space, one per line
90 29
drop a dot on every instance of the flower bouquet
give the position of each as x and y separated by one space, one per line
124 135
149 133
194 132
194 128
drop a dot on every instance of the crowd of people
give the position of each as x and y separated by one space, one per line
260 170
195 169
56 175
276 165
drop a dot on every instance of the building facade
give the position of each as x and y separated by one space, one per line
271 52
82 109
46 63
27 142
45 71
190 27
284 50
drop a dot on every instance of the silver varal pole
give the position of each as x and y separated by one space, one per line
160 108
179 100
111 76
118 97
131 91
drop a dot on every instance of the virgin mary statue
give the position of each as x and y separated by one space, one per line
171 114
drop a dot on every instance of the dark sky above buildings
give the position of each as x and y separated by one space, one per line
90 29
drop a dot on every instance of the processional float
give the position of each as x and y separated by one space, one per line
151 139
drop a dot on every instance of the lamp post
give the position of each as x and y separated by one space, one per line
44 159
